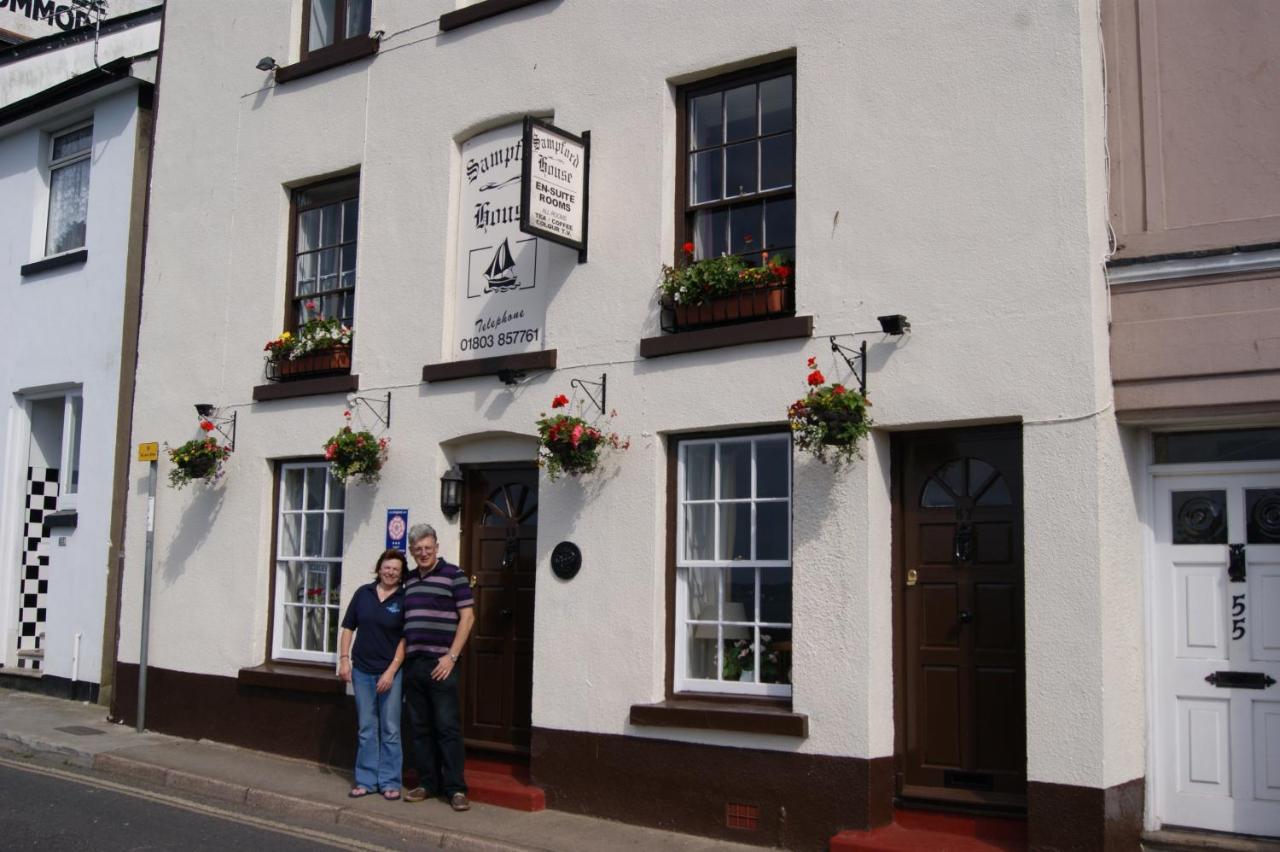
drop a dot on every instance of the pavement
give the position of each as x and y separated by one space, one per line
79 734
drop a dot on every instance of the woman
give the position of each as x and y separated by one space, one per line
376 617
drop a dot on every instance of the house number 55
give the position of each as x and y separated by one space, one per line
1237 616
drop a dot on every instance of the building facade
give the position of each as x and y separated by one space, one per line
75 124
1194 281
755 644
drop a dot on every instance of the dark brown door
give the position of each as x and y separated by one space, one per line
499 519
961 616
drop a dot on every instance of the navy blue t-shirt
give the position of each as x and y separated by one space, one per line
379 626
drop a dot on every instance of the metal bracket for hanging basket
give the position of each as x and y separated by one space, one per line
383 410
581 384
850 356
211 416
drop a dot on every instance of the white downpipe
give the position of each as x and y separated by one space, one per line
75 658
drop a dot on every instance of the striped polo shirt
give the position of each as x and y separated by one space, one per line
431 605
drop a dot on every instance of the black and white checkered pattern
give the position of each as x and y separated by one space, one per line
42 498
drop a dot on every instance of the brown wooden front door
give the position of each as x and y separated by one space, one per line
499 517
962 706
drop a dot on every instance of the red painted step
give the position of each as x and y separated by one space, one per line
497 782
918 831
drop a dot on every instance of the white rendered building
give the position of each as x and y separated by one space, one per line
75 125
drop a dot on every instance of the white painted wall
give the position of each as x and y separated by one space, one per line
63 330
947 169
33 74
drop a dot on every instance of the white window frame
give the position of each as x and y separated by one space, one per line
682 681
333 584
72 437
57 165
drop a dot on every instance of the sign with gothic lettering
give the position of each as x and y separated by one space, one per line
503 273
554 184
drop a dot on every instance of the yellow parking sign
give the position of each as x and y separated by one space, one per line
149 451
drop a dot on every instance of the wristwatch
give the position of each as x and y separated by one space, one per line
453 658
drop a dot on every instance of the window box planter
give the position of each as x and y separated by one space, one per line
755 303
322 362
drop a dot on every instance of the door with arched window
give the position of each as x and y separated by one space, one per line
962 708
500 529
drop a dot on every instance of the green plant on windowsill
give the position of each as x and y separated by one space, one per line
696 282
739 660
315 335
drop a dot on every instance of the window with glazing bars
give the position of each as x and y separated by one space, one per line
737 137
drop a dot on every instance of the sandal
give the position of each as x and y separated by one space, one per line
391 795
358 793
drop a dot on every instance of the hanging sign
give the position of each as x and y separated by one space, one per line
397 528
149 451
553 185
504 275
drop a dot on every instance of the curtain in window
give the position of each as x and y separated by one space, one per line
68 207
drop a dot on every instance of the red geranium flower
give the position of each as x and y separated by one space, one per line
837 389
560 401
688 248
813 362
816 378
206 425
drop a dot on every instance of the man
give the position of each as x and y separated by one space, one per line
438 615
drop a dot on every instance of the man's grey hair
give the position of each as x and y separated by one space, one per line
417 532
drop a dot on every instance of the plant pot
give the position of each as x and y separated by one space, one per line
200 468
835 421
754 303
337 359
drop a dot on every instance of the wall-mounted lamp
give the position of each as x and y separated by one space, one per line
894 324
451 492
208 413
267 63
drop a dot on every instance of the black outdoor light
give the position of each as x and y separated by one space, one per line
894 324
451 492
204 409
267 63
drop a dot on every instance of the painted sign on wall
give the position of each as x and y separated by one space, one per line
35 18
503 273
554 185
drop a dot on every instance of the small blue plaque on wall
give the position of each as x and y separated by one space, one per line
397 528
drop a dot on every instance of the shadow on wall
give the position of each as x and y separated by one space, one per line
193 527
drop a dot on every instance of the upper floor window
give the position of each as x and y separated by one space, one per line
733 565
329 22
308 570
738 144
324 270
69 156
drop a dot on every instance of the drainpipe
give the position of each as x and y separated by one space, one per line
75 661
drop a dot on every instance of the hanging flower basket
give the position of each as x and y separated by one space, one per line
199 458
568 444
358 455
830 421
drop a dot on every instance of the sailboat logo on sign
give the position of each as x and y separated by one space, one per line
509 266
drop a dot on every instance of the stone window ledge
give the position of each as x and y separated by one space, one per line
70 258
347 50
481 11
446 371
719 715
298 677
786 328
306 387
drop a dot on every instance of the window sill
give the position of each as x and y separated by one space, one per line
479 12
330 57
69 258
306 387
447 371
298 677
710 714
761 331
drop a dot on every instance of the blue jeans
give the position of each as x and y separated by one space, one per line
435 727
378 757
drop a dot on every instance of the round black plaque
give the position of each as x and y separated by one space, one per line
566 559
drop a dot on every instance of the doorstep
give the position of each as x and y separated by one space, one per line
928 831
1186 839
497 782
